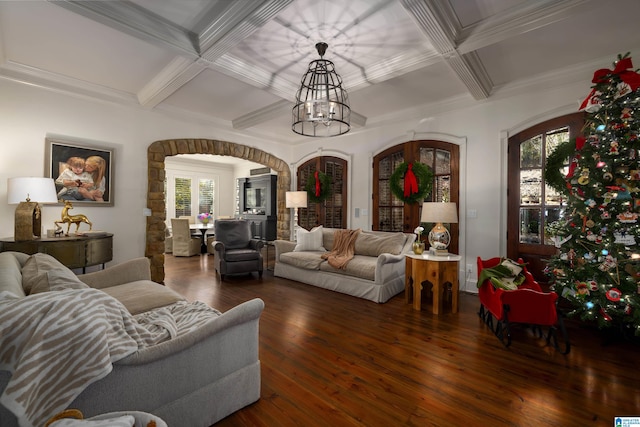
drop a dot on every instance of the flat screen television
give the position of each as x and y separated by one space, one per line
255 198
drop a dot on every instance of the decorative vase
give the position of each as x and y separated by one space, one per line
205 221
418 248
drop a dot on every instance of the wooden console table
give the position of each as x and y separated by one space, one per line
73 251
438 270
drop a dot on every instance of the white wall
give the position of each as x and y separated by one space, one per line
28 114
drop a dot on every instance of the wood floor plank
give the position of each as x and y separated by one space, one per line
330 359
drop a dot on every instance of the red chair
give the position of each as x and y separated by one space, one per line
526 305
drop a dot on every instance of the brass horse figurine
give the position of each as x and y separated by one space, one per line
71 219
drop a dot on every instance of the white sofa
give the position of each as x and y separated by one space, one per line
375 273
194 379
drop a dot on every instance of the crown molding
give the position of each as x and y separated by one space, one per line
37 77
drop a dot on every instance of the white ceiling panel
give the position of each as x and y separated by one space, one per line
239 63
49 38
217 95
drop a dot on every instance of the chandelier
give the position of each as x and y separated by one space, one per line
322 108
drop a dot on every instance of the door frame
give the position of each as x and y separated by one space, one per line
466 282
504 163
326 153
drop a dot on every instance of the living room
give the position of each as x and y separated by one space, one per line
44 94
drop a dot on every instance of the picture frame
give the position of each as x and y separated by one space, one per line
76 182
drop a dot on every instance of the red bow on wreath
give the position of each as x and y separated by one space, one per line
623 71
410 182
317 184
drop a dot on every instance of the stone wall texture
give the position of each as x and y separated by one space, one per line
159 150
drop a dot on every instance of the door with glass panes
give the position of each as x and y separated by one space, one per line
331 212
392 214
532 205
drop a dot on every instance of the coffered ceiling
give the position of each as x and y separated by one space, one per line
238 63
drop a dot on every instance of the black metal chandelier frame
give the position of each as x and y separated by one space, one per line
322 104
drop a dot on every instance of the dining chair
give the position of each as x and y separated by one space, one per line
184 244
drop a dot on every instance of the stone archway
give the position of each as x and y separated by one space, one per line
159 150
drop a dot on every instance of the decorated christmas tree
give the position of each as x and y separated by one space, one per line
597 267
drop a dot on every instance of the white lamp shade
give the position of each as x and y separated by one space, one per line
39 190
439 212
296 199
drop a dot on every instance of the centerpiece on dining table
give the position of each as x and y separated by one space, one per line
205 217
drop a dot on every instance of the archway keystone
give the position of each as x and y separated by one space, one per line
156 154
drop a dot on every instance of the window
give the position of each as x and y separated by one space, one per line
183 197
539 204
190 193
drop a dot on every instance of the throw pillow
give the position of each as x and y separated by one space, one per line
513 266
35 272
309 240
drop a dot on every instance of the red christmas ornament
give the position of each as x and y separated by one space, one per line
613 294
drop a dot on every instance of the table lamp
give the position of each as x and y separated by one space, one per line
439 212
295 200
27 193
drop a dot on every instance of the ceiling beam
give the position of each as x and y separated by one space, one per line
439 23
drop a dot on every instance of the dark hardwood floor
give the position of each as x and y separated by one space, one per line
330 359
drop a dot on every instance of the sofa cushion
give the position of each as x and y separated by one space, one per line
370 244
143 295
35 273
327 237
10 275
306 260
309 240
235 255
362 266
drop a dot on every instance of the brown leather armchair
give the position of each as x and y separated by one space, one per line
234 249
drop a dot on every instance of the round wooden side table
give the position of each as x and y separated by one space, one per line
437 270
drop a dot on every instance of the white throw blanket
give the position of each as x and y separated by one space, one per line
55 344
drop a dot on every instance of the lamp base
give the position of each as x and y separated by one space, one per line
438 252
27 222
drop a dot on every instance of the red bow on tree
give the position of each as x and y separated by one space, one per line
317 184
622 69
410 182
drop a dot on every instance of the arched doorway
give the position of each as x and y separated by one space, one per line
159 150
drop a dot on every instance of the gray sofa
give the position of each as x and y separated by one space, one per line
375 273
195 379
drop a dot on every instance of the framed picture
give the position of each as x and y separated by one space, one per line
83 173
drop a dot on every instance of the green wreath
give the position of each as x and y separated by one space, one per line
553 176
424 176
325 187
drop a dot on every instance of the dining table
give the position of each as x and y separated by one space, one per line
203 230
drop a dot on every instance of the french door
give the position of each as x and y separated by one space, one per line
331 212
532 205
392 214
